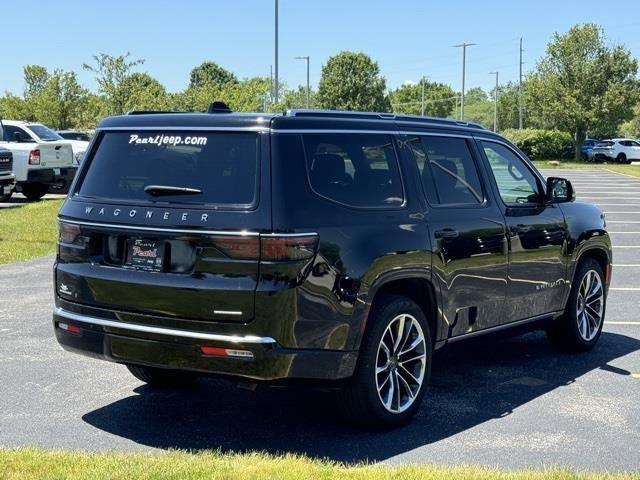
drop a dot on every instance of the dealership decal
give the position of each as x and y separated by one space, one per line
162 139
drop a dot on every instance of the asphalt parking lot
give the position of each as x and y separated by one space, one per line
517 404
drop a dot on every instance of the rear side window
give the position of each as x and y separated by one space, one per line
359 170
217 168
448 172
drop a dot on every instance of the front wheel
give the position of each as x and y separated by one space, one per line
162 378
393 368
579 329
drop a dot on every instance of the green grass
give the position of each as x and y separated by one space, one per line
27 464
28 231
633 170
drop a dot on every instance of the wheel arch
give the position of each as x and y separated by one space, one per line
601 256
416 286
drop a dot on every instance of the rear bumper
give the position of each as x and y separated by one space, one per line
131 343
52 176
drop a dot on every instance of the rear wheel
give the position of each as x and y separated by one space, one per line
34 191
622 158
581 325
393 368
162 378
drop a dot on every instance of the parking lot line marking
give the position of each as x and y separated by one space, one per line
625 289
621 323
626 232
636 376
623 221
625 246
626 264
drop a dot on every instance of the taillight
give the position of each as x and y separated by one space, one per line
240 247
34 157
275 248
68 232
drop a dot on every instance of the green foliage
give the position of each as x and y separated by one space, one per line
631 128
59 101
439 99
210 73
296 98
35 79
143 92
540 144
581 85
352 81
110 72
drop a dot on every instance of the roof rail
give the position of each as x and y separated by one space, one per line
379 116
148 112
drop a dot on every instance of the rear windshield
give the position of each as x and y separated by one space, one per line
216 168
604 144
45 134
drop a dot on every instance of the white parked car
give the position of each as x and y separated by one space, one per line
79 142
41 158
620 150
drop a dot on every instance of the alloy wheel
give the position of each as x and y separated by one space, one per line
400 363
590 305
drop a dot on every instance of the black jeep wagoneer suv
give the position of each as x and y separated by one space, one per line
337 247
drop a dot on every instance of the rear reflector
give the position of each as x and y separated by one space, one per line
276 248
225 352
69 327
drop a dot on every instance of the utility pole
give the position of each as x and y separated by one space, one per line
495 103
464 66
520 89
276 86
308 87
423 81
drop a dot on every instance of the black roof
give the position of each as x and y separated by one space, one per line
291 119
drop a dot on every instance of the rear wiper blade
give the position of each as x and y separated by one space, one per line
157 190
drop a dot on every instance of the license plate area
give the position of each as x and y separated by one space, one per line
145 254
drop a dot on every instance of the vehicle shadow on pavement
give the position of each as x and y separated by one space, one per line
471 384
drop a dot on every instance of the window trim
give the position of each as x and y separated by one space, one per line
396 151
483 186
218 207
525 161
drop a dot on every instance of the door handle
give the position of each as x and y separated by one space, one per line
446 233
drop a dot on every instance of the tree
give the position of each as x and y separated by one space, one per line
210 73
631 128
15 108
59 102
352 81
110 72
35 79
296 98
439 99
581 85
143 92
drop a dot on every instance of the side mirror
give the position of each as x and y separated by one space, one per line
559 190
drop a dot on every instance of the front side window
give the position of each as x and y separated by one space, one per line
174 167
359 170
10 134
517 184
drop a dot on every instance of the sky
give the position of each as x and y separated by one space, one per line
408 38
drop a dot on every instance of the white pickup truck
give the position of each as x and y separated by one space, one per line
41 158
7 178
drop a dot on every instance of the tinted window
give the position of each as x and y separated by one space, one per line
75 136
10 132
604 144
358 170
45 134
448 171
516 183
222 166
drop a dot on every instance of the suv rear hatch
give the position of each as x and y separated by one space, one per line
167 223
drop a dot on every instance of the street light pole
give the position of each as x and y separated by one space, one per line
308 87
495 103
464 66
276 86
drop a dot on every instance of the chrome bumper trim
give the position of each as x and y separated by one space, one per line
134 327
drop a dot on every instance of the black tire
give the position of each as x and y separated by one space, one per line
5 197
34 192
622 158
162 378
564 333
585 157
359 400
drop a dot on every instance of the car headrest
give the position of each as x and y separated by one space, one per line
328 168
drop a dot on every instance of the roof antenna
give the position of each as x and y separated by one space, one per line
218 107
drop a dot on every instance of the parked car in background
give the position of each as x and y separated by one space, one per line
587 149
75 135
340 248
7 178
619 150
41 158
